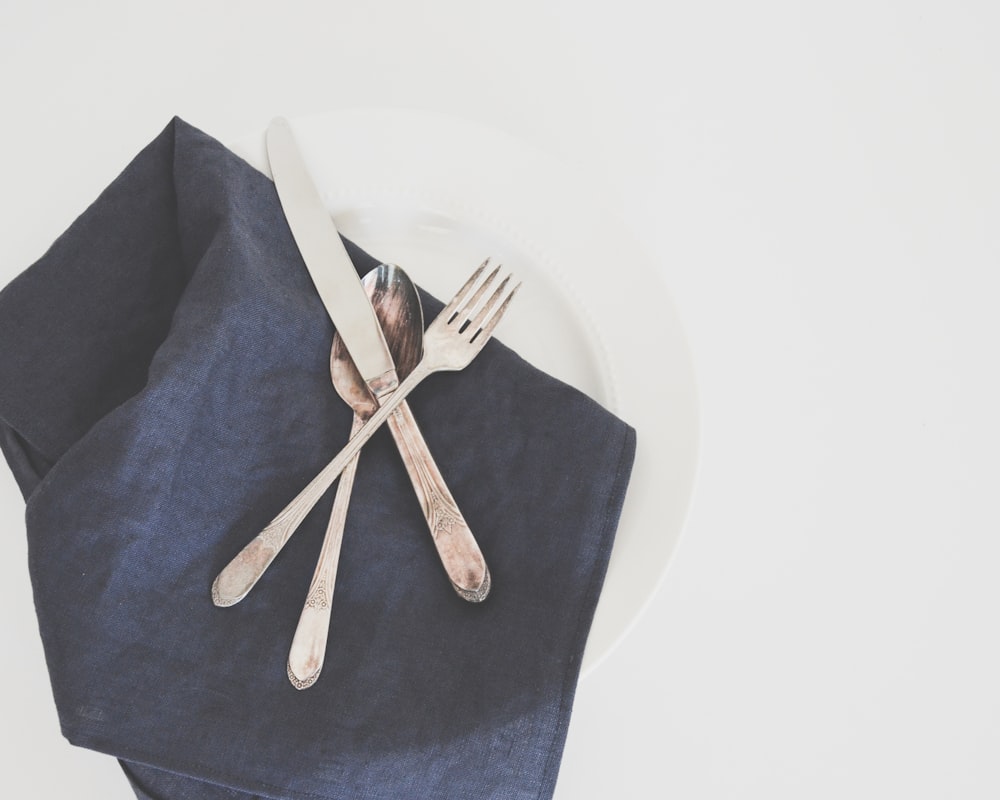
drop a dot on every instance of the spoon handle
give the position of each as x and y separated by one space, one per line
305 658
457 547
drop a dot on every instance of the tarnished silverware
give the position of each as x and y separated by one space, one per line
360 334
397 306
451 342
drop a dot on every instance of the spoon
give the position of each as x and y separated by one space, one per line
397 306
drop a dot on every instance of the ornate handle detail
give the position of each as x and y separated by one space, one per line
457 547
239 575
305 658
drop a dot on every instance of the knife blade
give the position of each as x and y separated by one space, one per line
329 265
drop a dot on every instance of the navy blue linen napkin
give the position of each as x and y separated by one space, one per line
164 391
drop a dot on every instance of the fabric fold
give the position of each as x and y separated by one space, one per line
164 391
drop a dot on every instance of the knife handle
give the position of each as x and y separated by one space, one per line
456 546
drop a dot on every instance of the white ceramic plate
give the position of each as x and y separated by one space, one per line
436 195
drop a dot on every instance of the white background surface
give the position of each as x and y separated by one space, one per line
819 185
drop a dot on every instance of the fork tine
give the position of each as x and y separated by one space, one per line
476 323
487 329
469 307
449 309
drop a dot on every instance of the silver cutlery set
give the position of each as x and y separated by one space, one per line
380 353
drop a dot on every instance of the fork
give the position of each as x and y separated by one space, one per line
451 342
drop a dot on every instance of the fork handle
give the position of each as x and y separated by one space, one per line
456 546
239 575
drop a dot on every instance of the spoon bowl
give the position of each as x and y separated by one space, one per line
401 315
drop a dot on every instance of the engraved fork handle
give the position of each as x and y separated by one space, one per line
238 577
456 546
